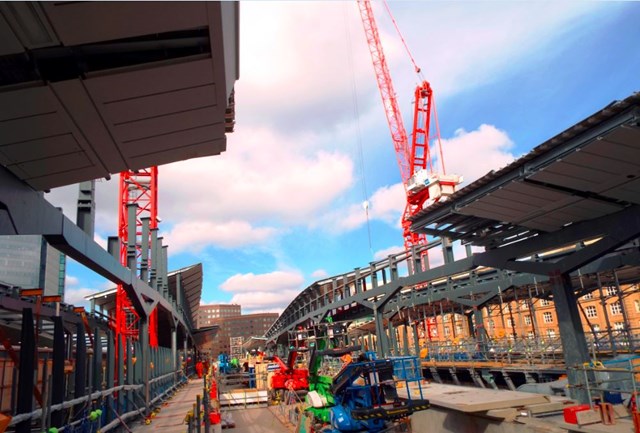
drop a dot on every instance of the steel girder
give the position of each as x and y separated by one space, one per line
613 230
24 211
485 285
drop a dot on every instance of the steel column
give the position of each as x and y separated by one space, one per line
623 310
603 304
97 361
405 339
26 370
57 371
381 336
393 338
80 388
574 344
144 250
86 210
416 340
121 355
129 377
111 368
174 349
145 358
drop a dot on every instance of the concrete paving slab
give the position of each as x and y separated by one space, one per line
170 419
256 420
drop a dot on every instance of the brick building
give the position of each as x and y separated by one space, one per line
206 313
232 324
607 314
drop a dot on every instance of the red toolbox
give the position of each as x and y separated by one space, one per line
570 412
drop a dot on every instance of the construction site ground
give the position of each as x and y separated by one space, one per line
171 418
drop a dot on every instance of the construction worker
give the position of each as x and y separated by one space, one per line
199 369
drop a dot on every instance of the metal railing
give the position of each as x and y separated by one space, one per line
612 381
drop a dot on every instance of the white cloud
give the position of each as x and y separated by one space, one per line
319 274
262 175
384 253
306 80
100 240
276 281
194 236
386 204
71 281
487 41
106 202
76 296
264 292
266 302
472 154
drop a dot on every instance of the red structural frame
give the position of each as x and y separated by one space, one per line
138 187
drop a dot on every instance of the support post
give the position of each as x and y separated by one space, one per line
603 303
165 277
96 384
131 236
25 375
405 339
86 210
625 316
381 336
174 349
153 271
447 251
416 340
144 250
120 401
392 338
574 344
129 375
480 331
145 359
81 364
57 371
111 368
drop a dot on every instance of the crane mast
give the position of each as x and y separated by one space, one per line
140 188
417 168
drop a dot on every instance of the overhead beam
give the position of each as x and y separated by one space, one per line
24 211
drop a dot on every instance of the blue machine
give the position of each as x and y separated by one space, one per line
365 397
223 363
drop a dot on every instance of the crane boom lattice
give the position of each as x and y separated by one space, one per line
417 168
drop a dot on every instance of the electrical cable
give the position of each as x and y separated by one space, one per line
356 115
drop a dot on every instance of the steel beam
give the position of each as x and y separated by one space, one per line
25 211
616 230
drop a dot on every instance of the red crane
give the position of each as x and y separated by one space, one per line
138 187
423 184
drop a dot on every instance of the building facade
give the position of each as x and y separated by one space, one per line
610 317
207 313
29 262
236 327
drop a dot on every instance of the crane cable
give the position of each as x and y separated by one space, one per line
406 47
419 72
356 115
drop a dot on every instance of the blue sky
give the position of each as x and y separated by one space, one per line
283 206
